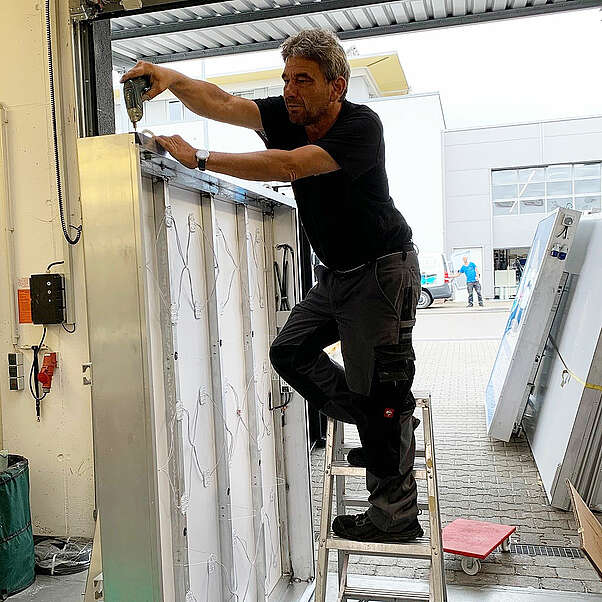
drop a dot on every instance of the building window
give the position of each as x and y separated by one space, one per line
544 189
174 110
260 92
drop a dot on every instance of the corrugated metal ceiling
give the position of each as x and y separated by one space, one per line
247 25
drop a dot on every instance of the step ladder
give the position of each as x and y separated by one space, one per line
426 548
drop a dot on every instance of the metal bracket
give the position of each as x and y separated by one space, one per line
173 312
84 11
169 221
87 374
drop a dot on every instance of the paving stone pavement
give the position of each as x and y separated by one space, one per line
479 478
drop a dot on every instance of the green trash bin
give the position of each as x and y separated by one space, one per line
17 560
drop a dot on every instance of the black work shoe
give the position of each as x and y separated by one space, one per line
357 455
359 527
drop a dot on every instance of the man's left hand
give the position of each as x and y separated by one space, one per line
179 149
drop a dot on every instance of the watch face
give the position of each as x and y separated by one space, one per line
202 154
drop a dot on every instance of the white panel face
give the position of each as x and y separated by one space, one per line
476 207
494 134
201 412
259 299
194 372
561 149
467 182
528 322
551 416
573 126
234 390
507 153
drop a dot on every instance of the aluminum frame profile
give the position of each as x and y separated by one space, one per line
277 416
249 360
169 339
224 510
296 455
122 392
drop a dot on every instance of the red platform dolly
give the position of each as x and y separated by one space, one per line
475 540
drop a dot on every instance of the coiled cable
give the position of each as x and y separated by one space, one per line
59 185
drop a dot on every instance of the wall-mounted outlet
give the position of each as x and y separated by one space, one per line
16 376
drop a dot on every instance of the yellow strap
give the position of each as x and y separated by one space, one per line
579 380
567 372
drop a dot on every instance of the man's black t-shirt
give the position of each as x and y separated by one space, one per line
348 215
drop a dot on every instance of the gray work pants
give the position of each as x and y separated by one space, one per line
371 310
477 287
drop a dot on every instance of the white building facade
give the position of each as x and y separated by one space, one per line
499 182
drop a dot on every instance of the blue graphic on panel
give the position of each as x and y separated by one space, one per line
518 310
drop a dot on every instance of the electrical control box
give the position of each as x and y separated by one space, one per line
47 298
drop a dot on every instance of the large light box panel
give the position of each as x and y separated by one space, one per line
529 322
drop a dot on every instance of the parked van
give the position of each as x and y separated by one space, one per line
436 283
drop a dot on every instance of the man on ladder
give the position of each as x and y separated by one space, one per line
333 152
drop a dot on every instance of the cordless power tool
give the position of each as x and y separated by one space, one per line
133 89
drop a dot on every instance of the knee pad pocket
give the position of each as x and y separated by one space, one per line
395 363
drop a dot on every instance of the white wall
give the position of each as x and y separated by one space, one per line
471 154
59 447
412 127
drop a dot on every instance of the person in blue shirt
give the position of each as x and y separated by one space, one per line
472 280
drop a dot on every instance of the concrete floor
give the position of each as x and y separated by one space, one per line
68 588
478 478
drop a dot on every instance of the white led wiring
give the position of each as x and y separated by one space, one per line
233 412
235 269
257 241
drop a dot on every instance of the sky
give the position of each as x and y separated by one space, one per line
509 71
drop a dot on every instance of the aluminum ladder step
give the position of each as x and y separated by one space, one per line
341 468
360 593
362 502
418 548
353 445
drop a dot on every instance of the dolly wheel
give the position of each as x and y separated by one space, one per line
471 566
506 545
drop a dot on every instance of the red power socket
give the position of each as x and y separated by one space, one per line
47 371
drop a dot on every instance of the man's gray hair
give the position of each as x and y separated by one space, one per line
322 46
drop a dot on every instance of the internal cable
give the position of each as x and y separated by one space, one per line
62 324
34 372
53 264
55 138
282 278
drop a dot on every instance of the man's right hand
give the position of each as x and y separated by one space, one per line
160 77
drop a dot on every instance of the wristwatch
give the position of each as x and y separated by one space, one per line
202 155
